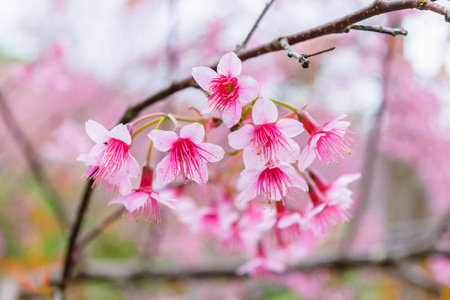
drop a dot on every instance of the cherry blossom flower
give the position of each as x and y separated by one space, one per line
327 142
261 265
267 140
111 155
336 190
269 183
322 213
226 90
139 202
188 155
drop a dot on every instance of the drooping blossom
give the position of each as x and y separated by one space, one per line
327 142
336 190
325 212
188 155
267 139
140 201
269 183
225 89
261 264
111 154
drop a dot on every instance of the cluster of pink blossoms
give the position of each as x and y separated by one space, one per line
276 172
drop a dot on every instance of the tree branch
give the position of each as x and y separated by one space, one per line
379 29
266 8
301 57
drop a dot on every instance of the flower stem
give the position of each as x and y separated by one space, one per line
146 126
161 120
291 107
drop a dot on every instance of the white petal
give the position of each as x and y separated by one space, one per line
97 132
229 65
120 132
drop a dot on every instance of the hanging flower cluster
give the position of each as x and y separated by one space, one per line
276 172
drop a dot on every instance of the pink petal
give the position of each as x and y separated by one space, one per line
202 175
298 181
248 89
166 202
344 180
162 140
289 220
203 76
96 132
240 138
232 114
208 108
252 158
120 132
131 201
330 125
291 155
229 65
165 173
133 167
264 112
212 153
195 132
247 195
249 177
308 154
289 127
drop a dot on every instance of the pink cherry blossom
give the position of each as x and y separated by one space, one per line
267 140
322 214
188 155
139 202
226 90
269 183
327 142
261 265
111 155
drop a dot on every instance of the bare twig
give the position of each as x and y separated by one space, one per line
266 8
379 29
93 233
33 161
412 274
301 57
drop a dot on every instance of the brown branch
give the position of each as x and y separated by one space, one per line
50 195
379 29
301 57
334 27
123 271
266 8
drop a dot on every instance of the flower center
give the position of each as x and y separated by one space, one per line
273 184
223 91
268 139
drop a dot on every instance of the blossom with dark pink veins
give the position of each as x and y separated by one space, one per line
188 155
327 142
111 155
267 139
226 90
269 183
140 201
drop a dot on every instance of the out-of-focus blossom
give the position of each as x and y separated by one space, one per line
327 142
139 202
337 190
324 213
261 265
111 154
269 183
226 90
188 155
440 268
267 140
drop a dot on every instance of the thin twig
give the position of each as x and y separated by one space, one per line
379 29
266 8
69 261
33 161
412 274
93 233
301 57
